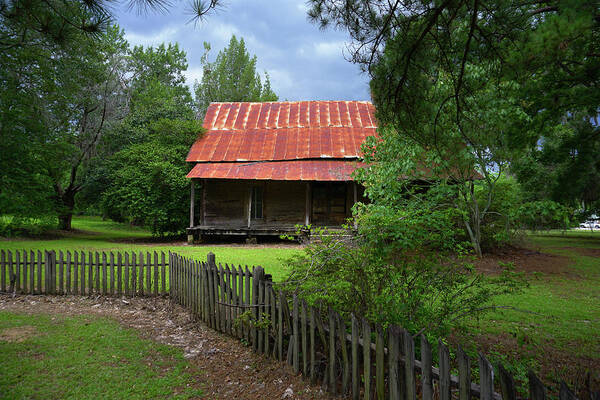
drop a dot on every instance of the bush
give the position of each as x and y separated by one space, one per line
545 214
11 226
402 267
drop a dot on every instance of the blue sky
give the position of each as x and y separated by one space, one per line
304 63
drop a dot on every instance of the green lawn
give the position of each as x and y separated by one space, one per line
557 324
87 357
560 313
94 234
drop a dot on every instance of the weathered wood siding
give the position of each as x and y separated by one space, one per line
284 203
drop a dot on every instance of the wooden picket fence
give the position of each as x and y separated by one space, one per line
83 273
349 358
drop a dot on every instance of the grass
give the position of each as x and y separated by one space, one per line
558 316
94 234
86 357
560 313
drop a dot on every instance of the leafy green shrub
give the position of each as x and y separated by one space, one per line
544 214
404 267
11 226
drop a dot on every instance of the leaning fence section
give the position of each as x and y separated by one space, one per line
84 273
349 357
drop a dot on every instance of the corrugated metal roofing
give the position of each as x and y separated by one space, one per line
303 170
284 131
290 114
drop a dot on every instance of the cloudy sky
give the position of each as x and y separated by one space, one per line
304 63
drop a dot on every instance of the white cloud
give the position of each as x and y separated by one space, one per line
329 49
168 34
192 75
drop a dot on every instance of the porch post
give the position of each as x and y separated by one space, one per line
307 206
355 198
203 202
249 206
192 198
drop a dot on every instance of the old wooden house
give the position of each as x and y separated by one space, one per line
263 168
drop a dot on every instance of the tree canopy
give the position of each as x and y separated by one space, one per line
475 85
231 77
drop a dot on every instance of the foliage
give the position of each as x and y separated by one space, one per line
565 166
60 21
475 84
543 214
148 179
231 77
74 92
394 271
11 226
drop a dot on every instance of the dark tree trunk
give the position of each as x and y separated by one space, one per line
66 203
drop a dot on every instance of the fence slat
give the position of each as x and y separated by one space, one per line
228 297
354 351
25 271
304 337
464 375
82 275
444 361
566 393
148 273
11 283
409 366
331 359
90 273
295 332
17 277
247 297
97 281
3 270
282 300
104 272
379 363
393 359
486 378
31 272
347 369
75 273
537 391
426 375
68 272
111 271
163 278
122 268
267 301
61 270
507 384
366 344
126 289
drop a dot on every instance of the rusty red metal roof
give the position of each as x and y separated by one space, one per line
284 131
299 170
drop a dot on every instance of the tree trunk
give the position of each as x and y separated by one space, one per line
64 221
66 205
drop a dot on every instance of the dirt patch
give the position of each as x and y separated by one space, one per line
584 251
230 369
18 334
525 260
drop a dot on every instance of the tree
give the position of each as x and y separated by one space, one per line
148 179
145 167
231 77
565 166
61 98
449 77
59 21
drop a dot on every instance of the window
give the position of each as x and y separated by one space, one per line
256 207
